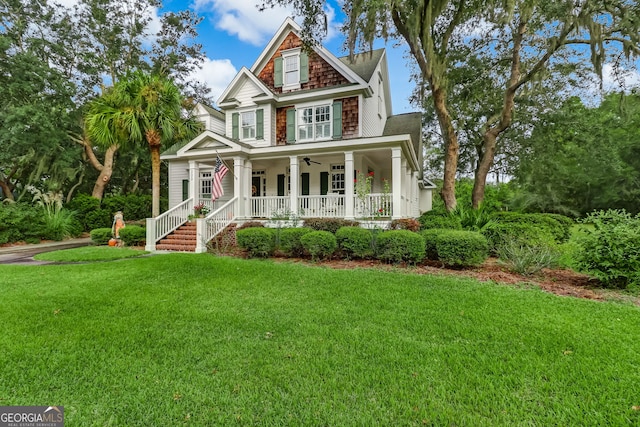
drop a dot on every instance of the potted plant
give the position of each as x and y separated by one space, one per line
200 210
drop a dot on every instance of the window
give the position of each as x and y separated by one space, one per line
205 184
248 125
291 70
314 123
337 179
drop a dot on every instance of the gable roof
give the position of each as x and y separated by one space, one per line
242 75
365 63
289 25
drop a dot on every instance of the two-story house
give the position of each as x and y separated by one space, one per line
296 131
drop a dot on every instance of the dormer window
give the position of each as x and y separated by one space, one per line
291 69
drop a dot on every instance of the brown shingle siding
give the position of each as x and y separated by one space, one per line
350 118
321 74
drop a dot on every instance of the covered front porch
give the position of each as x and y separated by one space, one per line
351 185
355 180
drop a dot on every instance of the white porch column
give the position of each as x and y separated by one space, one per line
295 178
194 181
415 212
238 187
406 187
246 188
349 212
396 182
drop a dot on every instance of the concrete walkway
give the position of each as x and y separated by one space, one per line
23 254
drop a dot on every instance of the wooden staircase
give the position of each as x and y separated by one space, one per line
183 239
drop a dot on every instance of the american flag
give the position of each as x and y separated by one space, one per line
216 186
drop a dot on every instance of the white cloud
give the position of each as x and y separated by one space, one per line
216 74
613 79
243 19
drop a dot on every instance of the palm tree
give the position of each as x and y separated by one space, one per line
141 109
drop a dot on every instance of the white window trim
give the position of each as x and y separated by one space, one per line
287 54
240 127
300 108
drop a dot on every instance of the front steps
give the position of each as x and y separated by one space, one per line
183 239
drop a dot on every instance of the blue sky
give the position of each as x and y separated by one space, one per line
234 33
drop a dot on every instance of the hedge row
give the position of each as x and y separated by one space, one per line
455 248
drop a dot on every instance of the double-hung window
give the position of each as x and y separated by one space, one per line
291 70
248 124
314 123
337 179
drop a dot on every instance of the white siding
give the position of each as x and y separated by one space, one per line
216 125
372 121
178 171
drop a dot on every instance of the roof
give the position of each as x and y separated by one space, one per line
174 148
213 111
363 64
410 123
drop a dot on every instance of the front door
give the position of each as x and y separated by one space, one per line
256 183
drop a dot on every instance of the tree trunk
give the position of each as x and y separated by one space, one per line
452 148
155 180
6 190
105 173
485 161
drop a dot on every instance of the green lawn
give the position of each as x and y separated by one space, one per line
90 254
185 339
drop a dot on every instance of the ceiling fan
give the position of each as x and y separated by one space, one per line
308 161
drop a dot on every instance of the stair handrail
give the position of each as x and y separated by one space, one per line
167 222
214 223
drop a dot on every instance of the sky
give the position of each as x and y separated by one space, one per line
234 33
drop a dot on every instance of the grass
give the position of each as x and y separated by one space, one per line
185 339
90 254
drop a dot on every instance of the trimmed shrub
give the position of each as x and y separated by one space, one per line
544 221
527 260
319 244
133 235
459 248
501 233
355 242
410 224
611 250
21 221
290 241
429 220
329 224
566 223
259 242
101 236
394 246
99 218
430 250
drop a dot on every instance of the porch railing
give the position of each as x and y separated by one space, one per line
374 205
328 206
208 227
268 207
163 224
